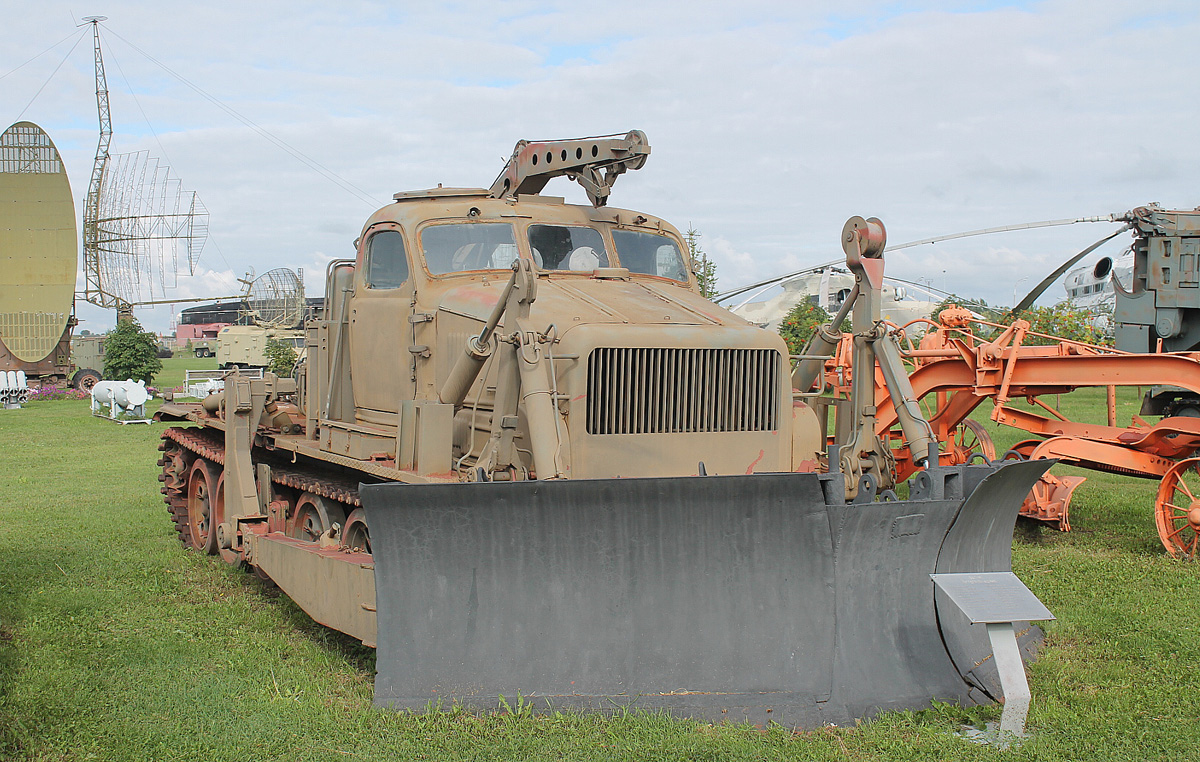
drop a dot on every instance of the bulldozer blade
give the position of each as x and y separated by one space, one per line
980 540
746 598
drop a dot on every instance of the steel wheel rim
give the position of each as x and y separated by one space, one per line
200 507
968 439
1177 509
356 534
314 515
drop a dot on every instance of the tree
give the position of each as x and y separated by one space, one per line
131 353
281 357
1067 321
703 267
800 324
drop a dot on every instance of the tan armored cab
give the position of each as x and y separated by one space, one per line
648 378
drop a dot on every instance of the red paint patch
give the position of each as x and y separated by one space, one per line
761 454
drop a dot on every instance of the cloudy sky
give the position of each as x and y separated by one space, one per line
770 122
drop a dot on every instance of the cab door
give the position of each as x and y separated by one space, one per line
380 333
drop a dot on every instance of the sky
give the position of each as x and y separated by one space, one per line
770 123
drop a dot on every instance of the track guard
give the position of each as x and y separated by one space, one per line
746 598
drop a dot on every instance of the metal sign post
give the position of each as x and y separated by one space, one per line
997 599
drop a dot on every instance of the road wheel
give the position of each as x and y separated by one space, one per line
313 517
356 536
1177 509
84 380
201 506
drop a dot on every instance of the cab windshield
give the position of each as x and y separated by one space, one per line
649 253
468 246
561 247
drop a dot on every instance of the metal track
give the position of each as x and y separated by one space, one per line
182 443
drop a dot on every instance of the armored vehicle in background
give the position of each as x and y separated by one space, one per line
245 346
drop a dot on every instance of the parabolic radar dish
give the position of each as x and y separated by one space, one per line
38 243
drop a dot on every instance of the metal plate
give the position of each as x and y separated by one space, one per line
726 597
981 541
992 597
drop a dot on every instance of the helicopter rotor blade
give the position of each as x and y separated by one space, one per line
1049 280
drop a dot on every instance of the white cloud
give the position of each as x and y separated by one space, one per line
771 123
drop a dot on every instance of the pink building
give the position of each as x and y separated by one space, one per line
196 331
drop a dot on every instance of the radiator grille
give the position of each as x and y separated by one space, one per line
666 391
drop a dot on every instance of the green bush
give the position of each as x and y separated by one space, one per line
281 357
131 353
1067 321
800 324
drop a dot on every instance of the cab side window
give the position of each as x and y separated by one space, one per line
387 262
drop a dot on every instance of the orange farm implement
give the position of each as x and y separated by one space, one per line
953 371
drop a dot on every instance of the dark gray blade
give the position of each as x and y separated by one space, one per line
721 597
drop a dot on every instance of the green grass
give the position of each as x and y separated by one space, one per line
117 644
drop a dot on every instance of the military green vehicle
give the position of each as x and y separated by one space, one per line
245 346
87 354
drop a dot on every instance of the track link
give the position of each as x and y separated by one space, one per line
175 462
181 447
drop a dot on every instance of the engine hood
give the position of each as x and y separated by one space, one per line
572 300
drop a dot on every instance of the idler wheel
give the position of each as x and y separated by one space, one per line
356 536
201 506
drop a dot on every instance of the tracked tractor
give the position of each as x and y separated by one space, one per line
525 456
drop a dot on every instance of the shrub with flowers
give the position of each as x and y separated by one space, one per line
45 393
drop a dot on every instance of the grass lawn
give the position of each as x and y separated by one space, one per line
116 644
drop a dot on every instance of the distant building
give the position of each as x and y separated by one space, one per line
205 321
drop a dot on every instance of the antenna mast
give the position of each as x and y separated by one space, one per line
138 221
91 213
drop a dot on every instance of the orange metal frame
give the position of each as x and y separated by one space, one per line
954 372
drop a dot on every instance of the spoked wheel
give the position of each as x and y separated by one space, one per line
313 517
201 506
969 439
1177 509
356 536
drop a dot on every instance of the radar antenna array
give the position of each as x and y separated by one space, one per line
275 299
138 220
